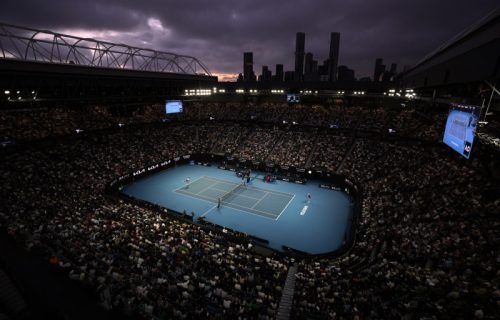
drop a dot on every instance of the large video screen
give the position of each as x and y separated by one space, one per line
173 106
461 128
292 98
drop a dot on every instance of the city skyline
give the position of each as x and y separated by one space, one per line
306 68
218 34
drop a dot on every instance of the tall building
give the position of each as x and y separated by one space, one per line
379 70
308 63
314 66
393 68
279 73
266 74
345 74
289 76
323 71
300 41
248 74
333 56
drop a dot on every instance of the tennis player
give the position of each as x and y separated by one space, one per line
186 181
308 198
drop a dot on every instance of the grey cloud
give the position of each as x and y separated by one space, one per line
218 32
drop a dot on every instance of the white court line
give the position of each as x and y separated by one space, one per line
237 194
267 214
184 185
205 189
228 207
276 193
285 207
206 212
267 193
221 180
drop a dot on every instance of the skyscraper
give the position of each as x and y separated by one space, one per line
393 68
248 74
308 63
279 73
300 40
266 74
345 74
333 56
379 70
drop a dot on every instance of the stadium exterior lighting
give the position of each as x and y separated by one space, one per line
7 92
240 91
18 92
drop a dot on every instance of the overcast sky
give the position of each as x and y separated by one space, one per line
219 31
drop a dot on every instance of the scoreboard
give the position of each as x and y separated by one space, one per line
461 128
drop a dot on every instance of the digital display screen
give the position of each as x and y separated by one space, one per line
461 128
173 106
292 98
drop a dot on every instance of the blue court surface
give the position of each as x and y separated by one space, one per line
277 212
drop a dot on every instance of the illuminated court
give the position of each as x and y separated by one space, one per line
277 212
249 199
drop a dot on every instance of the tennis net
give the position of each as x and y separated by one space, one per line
226 195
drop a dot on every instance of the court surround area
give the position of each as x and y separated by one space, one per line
278 212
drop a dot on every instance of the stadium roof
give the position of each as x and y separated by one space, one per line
461 35
469 56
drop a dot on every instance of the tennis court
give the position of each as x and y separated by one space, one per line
258 201
276 212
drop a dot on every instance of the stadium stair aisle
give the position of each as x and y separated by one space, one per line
287 296
313 150
11 298
347 154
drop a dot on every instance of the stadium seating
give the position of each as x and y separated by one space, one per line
425 246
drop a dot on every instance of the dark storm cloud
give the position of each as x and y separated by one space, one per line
218 32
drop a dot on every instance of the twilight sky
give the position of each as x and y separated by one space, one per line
219 31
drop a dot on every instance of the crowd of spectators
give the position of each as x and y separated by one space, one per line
428 238
425 245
